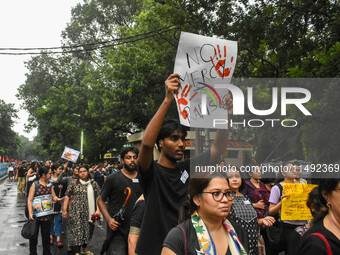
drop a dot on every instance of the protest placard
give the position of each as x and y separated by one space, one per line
70 154
42 205
205 65
294 206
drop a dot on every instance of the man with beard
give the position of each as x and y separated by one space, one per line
113 193
165 183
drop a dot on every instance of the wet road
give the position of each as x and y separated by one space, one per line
12 218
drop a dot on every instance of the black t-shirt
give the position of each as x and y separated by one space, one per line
164 190
314 245
113 191
60 188
21 171
175 239
137 217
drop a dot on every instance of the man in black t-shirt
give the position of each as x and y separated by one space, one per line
165 183
113 193
136 224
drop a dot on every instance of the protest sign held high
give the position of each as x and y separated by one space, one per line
70 154
206 66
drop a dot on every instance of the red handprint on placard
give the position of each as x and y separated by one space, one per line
184 101
221 64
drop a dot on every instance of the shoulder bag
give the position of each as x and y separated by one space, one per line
29 230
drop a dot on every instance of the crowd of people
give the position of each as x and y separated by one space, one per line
73 190
161 207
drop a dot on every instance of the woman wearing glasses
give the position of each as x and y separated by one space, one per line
243 212
205 229
324 236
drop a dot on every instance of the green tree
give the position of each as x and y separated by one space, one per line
8 138
113 83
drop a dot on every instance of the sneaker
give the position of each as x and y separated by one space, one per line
59 244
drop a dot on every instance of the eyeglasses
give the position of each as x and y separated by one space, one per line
218 195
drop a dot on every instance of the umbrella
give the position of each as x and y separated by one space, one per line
119 216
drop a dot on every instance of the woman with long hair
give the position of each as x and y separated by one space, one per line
31 176
205 229
80 226
324 235
315 206
254 183
59 188
41 188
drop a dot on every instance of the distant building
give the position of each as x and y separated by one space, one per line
234 154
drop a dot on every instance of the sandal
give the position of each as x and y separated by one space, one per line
86 252
59 244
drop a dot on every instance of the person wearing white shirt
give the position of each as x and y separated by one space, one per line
10 171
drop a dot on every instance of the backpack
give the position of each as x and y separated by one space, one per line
36 184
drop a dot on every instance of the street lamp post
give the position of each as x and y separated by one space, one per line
81 144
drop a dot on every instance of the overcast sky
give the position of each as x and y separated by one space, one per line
23 23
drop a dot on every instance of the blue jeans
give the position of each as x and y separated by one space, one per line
56 225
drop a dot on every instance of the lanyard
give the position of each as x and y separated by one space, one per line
212 241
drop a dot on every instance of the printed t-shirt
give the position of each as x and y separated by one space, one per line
243 213
60 188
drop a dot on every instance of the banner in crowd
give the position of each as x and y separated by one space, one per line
3 169
70 154
294 206
42 205
205 65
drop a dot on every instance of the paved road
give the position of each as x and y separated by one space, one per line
12 218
